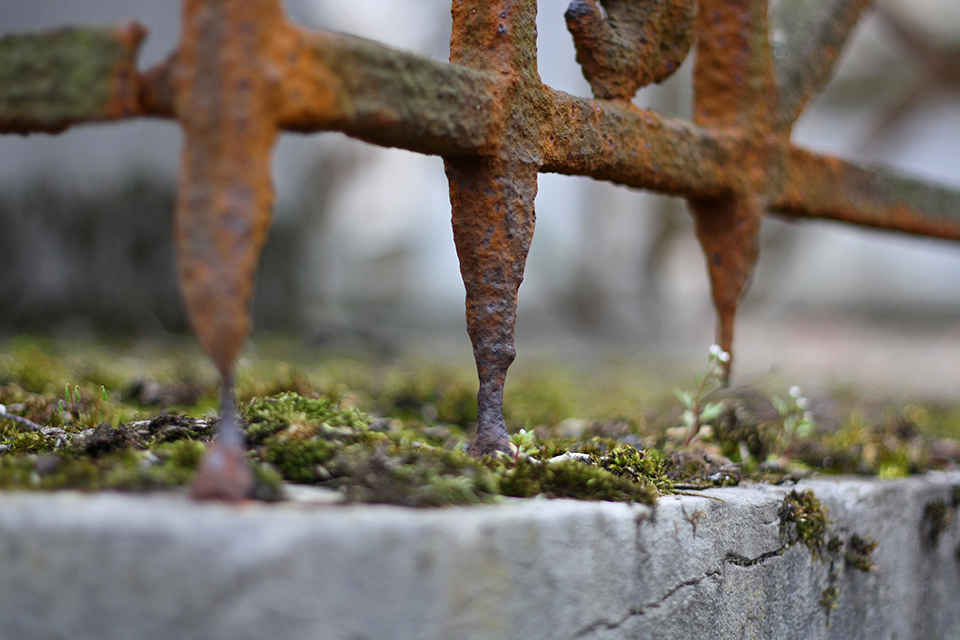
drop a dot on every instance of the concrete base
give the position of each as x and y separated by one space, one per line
712 566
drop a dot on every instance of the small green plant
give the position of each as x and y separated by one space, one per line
523 443
698 412
803 518
858 553
795 415
828 598
24 423
78 409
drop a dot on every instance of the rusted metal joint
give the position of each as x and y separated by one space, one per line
492 197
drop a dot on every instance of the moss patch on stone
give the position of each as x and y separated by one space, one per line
136 417
312 441
937 517
574 479
804 520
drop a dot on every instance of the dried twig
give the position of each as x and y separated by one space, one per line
29 424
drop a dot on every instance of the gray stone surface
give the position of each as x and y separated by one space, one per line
712 566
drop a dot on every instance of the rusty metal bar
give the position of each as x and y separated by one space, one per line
49 81
393 98
733 92
816 186
224 92
621 143
385 96
492 198
624 45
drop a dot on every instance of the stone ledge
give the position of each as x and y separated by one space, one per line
706 566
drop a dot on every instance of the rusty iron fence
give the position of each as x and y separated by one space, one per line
242 74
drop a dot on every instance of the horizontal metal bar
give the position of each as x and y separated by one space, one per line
616 141
807 37
51 80
382 95
390 97
396 98
816 186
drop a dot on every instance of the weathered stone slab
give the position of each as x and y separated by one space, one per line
717 565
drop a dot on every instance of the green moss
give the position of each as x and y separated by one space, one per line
362 427
955 496
303 461
290 413
835 544
311 442
165 467
804 519
858 553
828 598
648 467
573 479
418 477
937 516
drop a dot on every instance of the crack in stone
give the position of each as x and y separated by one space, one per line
730 558
639 611
642 610
743 561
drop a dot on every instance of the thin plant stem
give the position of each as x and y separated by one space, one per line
30 424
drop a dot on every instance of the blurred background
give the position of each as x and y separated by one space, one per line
361 255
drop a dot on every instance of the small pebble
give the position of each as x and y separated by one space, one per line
570 455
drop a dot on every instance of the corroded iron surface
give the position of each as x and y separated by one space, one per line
224 473
623 45
242 74
223 94
733 95
49 81
492 197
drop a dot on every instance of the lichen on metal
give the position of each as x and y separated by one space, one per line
816 186
242 74
49 81
392 97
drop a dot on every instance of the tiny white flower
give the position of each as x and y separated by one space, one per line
717 352
796 392
803 403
